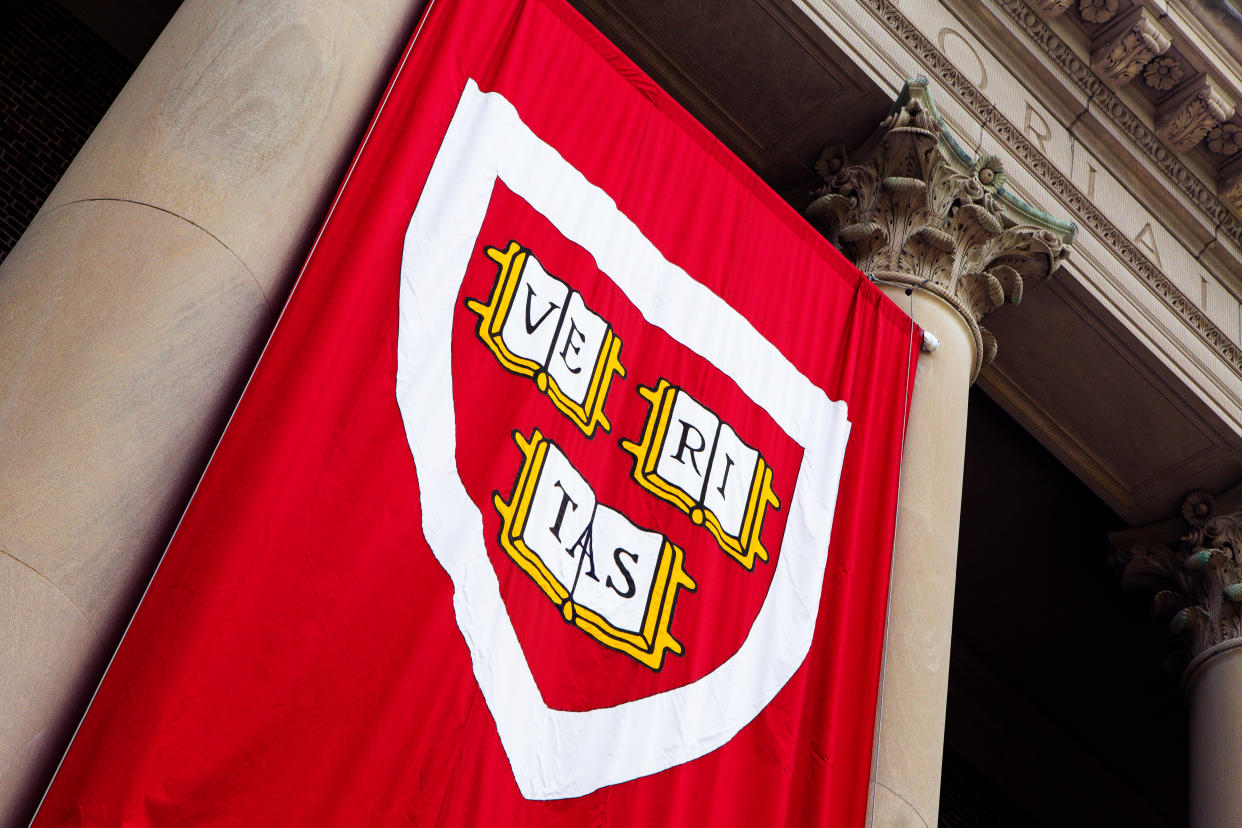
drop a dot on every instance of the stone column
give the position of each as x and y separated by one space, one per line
1197 579
941 235
132 310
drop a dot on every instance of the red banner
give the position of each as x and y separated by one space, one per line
562 494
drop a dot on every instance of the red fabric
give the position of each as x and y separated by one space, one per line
296 660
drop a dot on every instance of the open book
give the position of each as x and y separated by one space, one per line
696 461
613 579
538 327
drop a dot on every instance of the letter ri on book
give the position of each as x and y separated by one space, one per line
538 327
695 460
612 579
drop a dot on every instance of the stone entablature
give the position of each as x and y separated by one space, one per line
1148 304
1129 35
1195 177
1154 216
1190 91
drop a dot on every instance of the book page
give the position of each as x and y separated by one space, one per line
538 304
729 481
687 445
576 354
625 557
561 510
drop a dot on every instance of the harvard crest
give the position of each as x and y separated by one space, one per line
552 524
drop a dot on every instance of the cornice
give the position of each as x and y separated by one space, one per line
1144 139
1082 208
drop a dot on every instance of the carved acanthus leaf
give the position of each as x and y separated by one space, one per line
1123 50
1197 581
1054 8
1230 190
918 212
1184 121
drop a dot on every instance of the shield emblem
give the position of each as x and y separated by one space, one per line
631 489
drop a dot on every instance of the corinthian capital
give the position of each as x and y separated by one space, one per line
1197 579
919 211
1125 47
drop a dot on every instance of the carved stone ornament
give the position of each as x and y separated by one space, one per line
1231 187
1225 139
1164 73
1197 581
1121 52
919 212
1097 11
1054 8
1185 121
1208 202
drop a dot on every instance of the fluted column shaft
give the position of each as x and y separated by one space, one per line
132 310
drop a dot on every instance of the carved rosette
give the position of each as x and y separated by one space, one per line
1097 11
1225 139
1122 52
919 212
1164 73
1185 121
1197 581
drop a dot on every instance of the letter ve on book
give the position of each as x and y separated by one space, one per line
539 327
612 579
695 460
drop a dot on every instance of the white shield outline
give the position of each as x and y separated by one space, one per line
556 754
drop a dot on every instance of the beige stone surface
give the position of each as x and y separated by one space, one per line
131 313
127 333
914 687
42 643
1067 388
891 811
1215 696
242 120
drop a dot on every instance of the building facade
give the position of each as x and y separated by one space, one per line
1105 351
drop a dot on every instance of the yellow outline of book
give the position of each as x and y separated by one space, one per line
744 548
492 316
649 647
